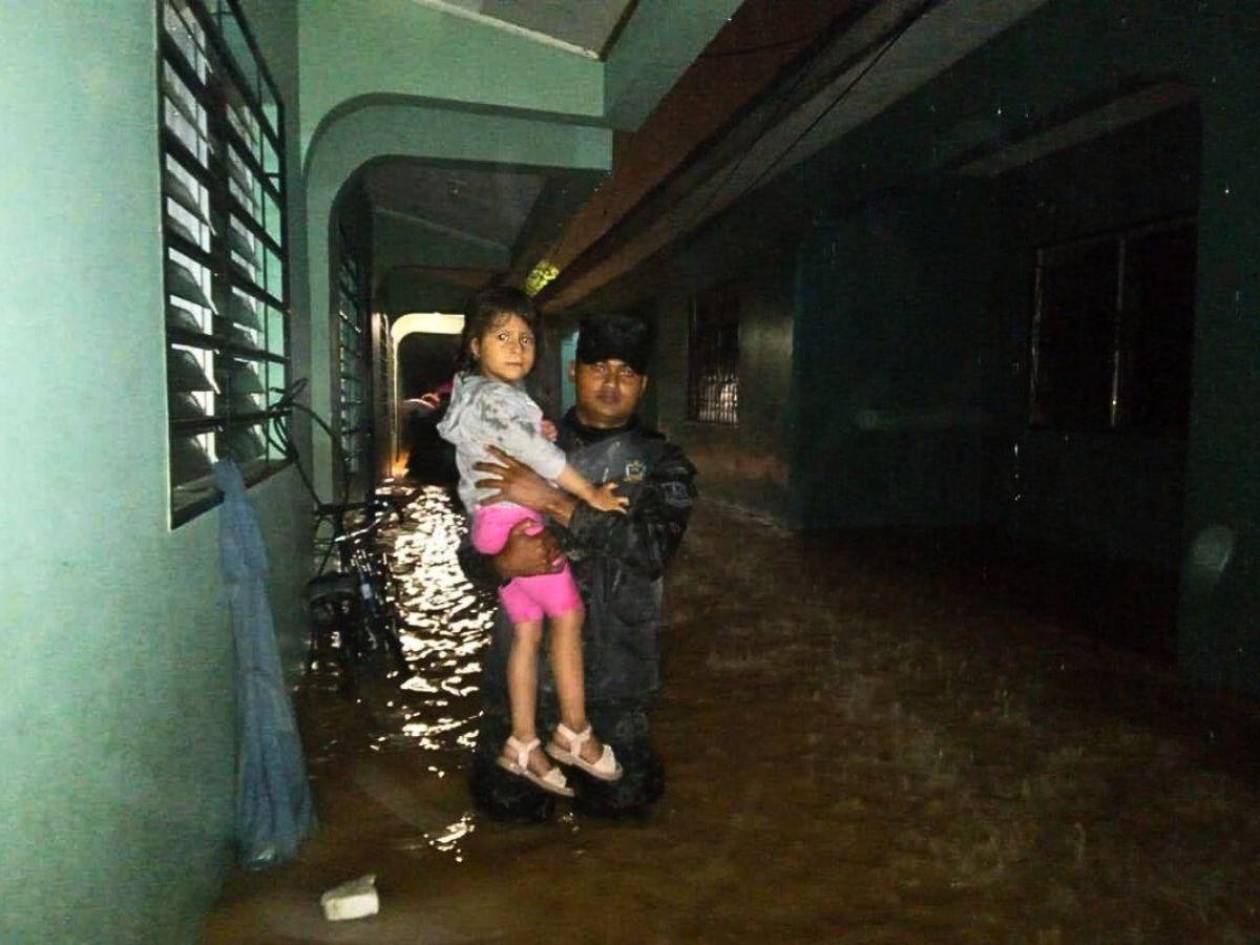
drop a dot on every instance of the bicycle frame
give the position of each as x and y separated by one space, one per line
359 597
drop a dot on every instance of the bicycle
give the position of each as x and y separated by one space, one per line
354 608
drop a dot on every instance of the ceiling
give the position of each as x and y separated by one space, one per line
585 27
489 205
530 214
781 80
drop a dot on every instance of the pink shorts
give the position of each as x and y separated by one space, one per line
524 599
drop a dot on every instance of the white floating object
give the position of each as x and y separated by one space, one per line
355 899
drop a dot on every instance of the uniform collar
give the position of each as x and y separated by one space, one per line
595 434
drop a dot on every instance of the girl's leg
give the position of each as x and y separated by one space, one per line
522 677
566 669
557 594
522 680
491 525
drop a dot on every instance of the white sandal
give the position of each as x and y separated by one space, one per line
605 768
553 781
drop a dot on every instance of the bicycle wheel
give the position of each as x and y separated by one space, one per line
336 616
380 613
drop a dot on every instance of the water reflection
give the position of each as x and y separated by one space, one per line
449 839
445 627
425 722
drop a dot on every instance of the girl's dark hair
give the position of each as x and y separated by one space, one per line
484 311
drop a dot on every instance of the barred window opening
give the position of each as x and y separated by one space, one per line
354 420
225 248
713 358
1113 332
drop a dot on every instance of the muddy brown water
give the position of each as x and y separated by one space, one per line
855 753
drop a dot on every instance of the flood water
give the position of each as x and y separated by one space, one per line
855 752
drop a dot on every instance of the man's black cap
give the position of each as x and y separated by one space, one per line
611 336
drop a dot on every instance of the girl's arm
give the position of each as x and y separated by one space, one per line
504 415
597 497
644 539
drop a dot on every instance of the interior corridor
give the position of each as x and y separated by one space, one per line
860 746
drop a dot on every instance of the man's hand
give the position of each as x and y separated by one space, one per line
530 550
549 431
605 499
513 481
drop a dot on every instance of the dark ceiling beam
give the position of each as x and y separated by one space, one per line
894 48
1058 133
806 65
762 40
654 47
562 196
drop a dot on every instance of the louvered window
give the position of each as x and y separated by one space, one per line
353 346
226 256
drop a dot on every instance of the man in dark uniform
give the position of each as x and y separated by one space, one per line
618 561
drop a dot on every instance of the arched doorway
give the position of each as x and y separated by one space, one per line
424 346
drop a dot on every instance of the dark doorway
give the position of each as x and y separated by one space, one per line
426 365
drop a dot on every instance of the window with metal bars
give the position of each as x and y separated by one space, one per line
713 357
225 248
353 350
1113 332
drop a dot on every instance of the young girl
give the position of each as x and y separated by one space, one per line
489 408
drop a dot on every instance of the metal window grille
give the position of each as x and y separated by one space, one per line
713 358
225 248
1113 331
354 422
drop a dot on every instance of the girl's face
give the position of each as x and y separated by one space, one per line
506 351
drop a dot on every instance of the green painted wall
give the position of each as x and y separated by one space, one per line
892 420
745 464
1220 619
1117 495
916 311
117 709
1065 56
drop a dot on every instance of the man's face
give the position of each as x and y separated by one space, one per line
608 392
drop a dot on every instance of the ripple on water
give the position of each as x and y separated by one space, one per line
436 708
446 625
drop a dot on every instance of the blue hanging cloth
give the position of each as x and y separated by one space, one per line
273 797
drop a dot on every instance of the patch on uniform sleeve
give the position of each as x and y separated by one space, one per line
636 470
676 494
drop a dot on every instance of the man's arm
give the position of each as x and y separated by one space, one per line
524 555
516 482
644 538
478 568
